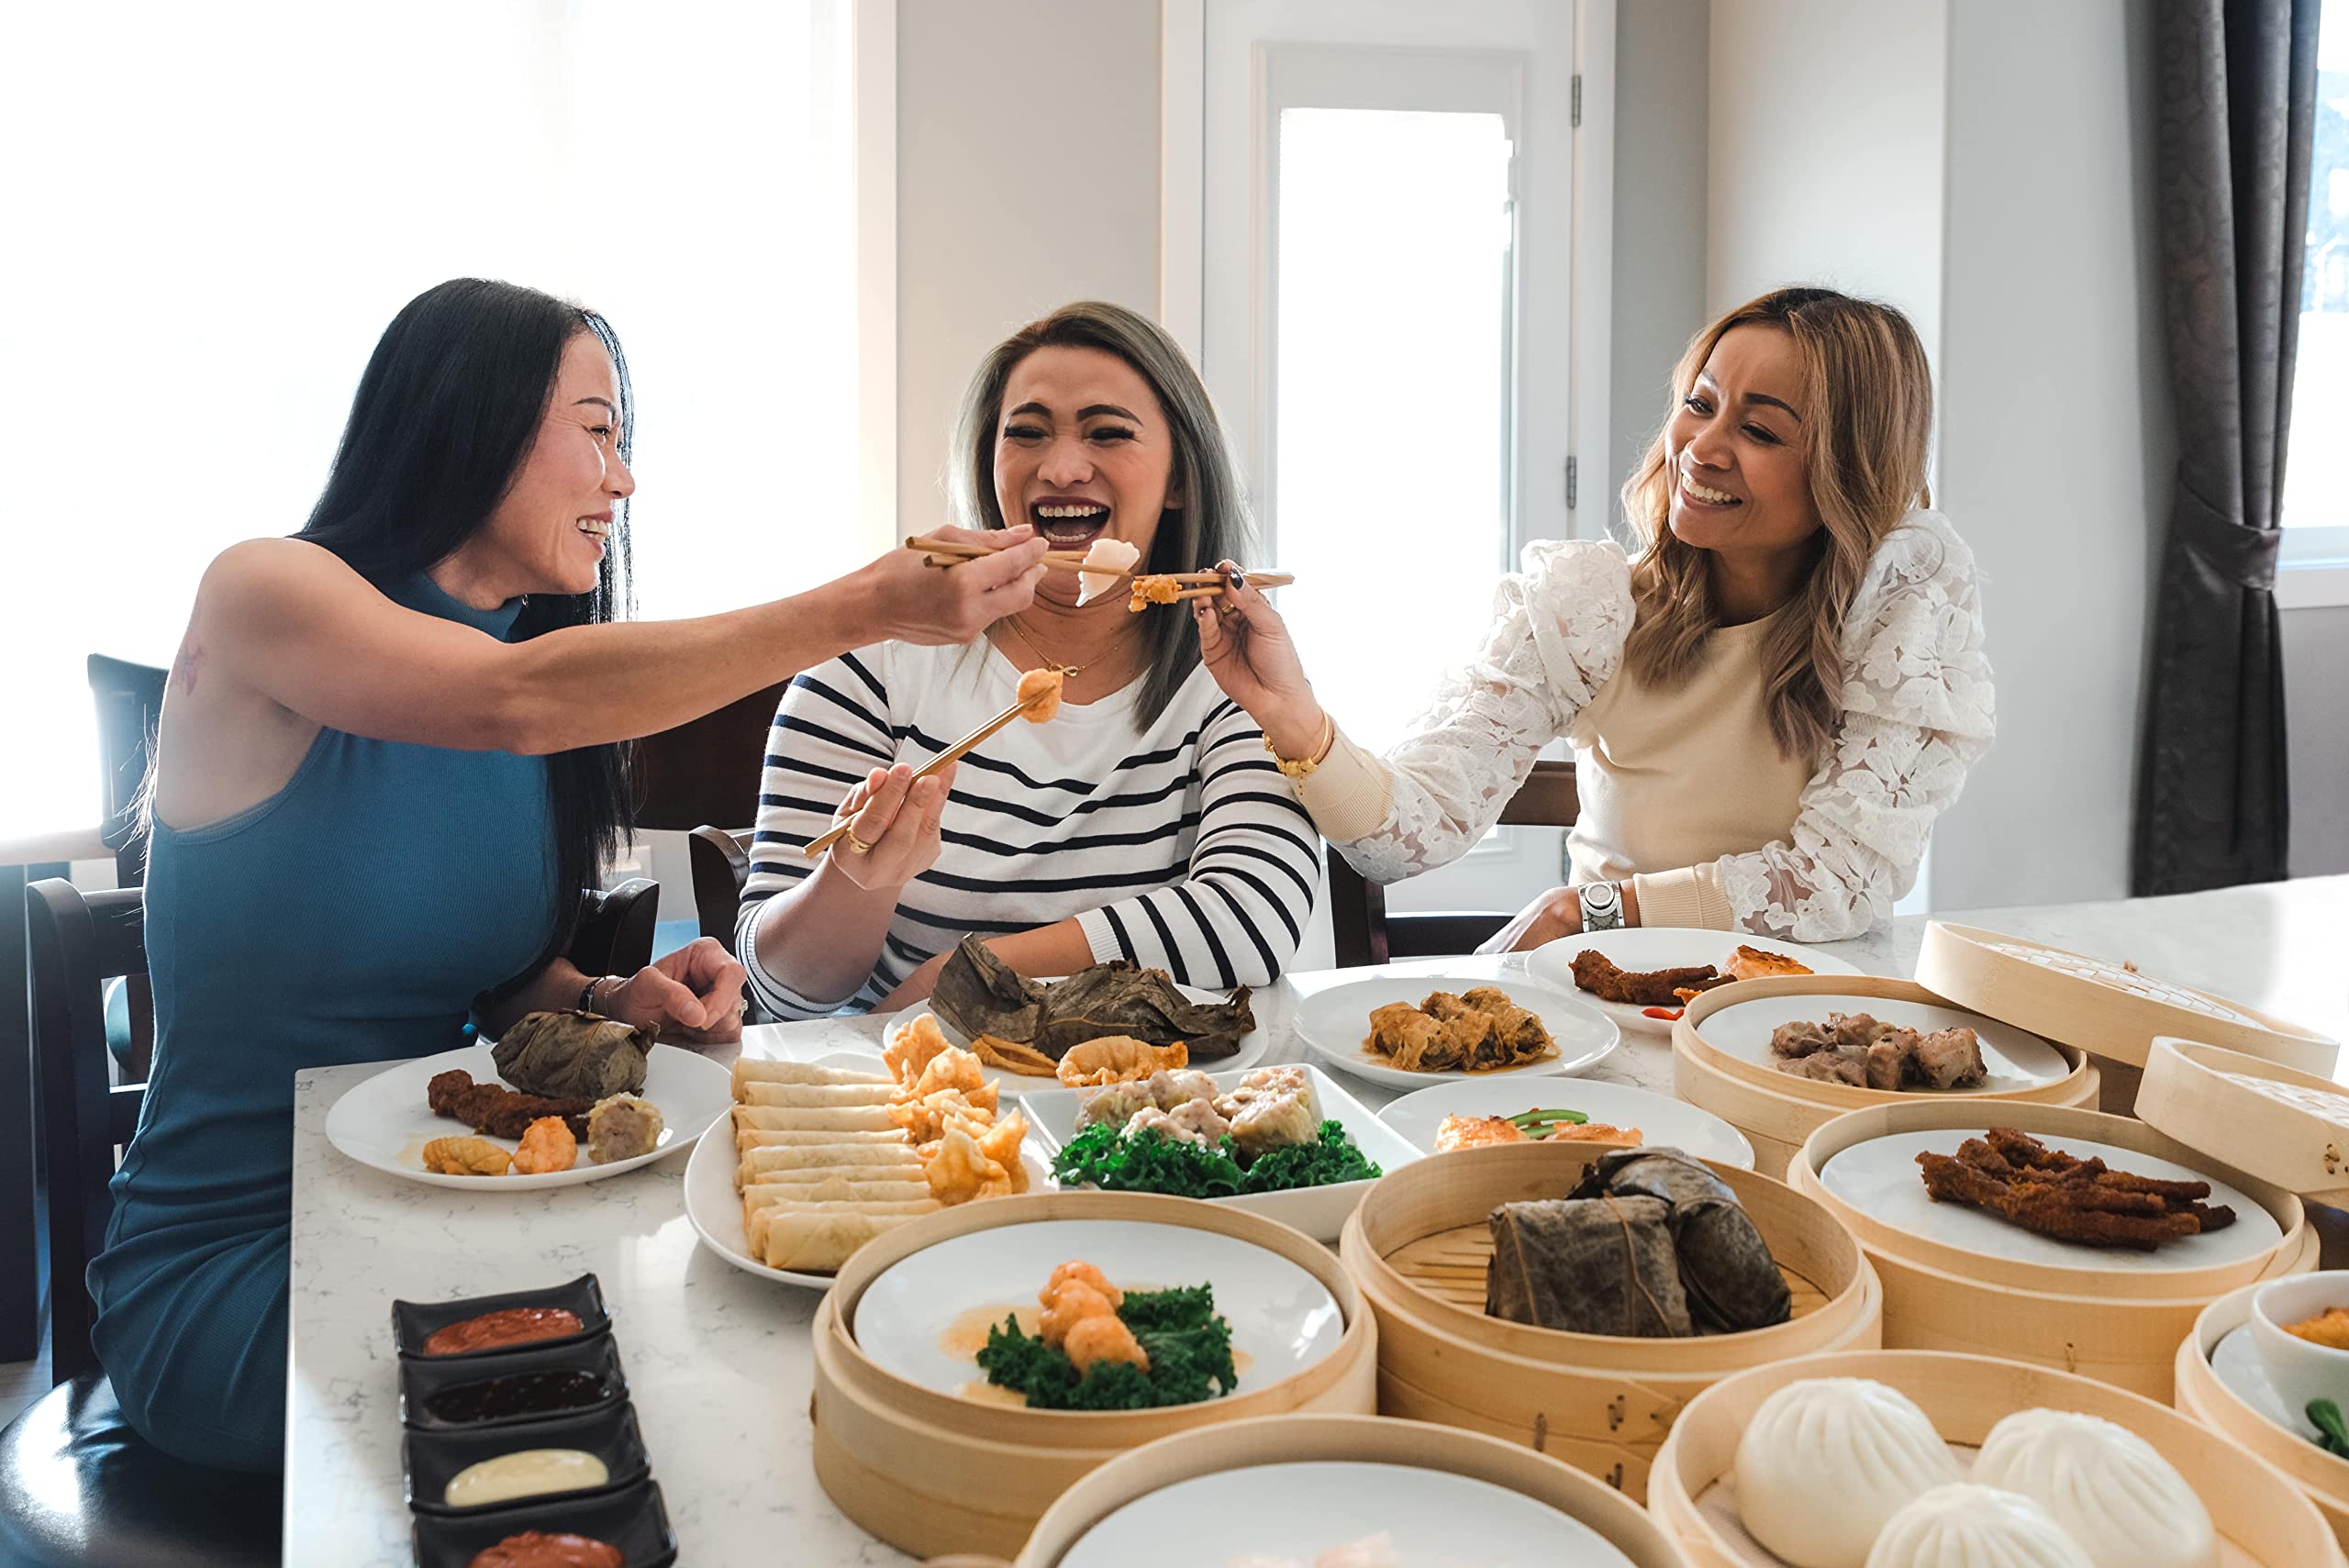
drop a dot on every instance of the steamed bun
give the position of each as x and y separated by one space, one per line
2111 1491
1825 1462
1966 1526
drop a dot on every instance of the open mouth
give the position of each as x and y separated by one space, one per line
598 528
1069 525
1704 494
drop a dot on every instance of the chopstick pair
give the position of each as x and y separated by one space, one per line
945 552
825 840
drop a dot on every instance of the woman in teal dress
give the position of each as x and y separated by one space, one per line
391 755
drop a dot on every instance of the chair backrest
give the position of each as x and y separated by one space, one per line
615 928
76 942
1365 933
706 769
721 864
130 699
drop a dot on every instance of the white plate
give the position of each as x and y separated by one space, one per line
1283 1319
1638 948
2236 1362
1320 1212
1252 1045
2015 1058
1881 1178
1434 1519
385 1122
1664 1122
1334 1021
714 1206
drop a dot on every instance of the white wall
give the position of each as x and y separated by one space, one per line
1027 177
2056 449
1661 50
1825 151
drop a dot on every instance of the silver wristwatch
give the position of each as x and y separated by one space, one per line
1602 905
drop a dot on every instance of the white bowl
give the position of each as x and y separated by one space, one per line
2300 1370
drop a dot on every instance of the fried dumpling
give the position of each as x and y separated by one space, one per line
466 1157
1119 1058
1039 692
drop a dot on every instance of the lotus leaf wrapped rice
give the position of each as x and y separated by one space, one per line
1589 1266
1726 1271
574 1056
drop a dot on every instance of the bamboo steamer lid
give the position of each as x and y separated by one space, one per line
1288 1439
2323 1476
2280 1124
2262 1520
1777 1111
2106 1008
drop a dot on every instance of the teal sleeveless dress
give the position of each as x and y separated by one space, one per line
352 916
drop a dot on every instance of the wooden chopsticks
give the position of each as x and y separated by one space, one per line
943 552
826 839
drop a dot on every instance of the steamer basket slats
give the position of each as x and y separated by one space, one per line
1417 1248
2264 1519
2117 1327
1777 1111
2202 1396
932 1474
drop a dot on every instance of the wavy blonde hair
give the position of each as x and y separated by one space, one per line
1867 399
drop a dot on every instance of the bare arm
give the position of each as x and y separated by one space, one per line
290 622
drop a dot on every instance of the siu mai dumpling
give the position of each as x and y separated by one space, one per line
1275 1121
622 1128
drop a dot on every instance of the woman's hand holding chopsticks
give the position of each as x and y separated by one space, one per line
891 820
917 605
1246 647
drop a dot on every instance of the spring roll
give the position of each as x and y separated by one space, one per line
819 1240
746 1141
815 1119
749 1069
879 1156
836 1187
815 1095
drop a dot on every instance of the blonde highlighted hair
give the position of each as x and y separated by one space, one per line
1867 398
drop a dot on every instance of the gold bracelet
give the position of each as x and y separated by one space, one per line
1299 771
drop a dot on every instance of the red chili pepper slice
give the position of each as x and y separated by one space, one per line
1667 1014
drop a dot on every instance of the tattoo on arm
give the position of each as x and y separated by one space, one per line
186 667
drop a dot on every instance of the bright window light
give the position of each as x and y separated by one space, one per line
1392 401
231 204
2321 376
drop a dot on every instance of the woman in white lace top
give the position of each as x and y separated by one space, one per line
1769 703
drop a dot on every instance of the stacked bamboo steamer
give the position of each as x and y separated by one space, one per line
1777 1111
1287 1439
932 1472
2108 1009
2206 1398
1419 1247
2116 1326
2263 1520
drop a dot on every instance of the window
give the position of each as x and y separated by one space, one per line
229 205
2316 521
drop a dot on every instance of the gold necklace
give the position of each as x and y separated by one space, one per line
1012 624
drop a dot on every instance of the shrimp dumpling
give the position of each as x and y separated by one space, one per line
1966 1526
2111 1489
1107 561
1826 1462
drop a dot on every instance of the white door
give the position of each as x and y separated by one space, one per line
1385 282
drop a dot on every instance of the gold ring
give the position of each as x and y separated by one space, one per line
856 846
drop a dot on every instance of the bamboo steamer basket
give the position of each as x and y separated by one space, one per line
1419 1247
2263 1521
2279 1123
2324 1477
2109 1009
1777 1111
1279 1439
2115 1326
932 1472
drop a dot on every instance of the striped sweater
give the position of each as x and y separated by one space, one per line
1180 847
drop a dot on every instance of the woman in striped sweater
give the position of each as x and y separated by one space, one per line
1145 821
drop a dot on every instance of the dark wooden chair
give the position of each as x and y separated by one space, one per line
703 772
78 1486
1365 933
129 700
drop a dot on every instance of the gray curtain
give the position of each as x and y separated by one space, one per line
2235 125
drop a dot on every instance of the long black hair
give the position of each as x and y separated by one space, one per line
444 419
1212 523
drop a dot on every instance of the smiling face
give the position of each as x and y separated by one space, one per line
1084 451
546 535
1741 481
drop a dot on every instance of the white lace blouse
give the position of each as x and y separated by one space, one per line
1916 711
